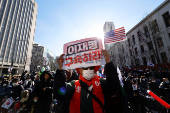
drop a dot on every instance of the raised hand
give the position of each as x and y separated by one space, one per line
60 61
106 56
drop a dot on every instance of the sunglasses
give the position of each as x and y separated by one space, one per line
86 68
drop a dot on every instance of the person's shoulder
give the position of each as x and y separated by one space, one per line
73 82
20 86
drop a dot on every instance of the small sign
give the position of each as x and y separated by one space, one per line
134 86
8 103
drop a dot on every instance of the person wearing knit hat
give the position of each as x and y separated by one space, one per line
42 93
80 91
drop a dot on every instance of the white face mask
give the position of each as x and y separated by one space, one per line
153 81
143 79
166 81
14 84
88 74
4 85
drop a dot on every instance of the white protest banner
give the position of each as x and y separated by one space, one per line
8 103
83 53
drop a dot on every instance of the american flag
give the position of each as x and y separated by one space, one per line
115 35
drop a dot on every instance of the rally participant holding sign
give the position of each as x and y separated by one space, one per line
90 93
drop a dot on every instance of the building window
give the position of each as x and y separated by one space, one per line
133 38
139 35
129 42
169 35
160 43
142 48
166 17
144 61
153 59
155 27
130 52
146 31
150 46
163 56
136 52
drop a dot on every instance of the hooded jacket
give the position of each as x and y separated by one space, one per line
44 96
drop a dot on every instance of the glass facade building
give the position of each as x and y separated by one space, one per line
17 28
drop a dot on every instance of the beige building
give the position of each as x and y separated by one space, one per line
147 41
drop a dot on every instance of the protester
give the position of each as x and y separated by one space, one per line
25 103
43 94
37 79
33 75
23 76
81 100
28 83
16 89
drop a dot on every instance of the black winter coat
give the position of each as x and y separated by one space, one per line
63 106
153 87
36 81
43 96
128 89
16 91
23 76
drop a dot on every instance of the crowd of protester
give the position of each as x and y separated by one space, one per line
136 84
33 93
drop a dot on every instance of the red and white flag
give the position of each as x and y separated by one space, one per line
115 35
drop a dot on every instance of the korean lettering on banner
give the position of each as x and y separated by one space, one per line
83 53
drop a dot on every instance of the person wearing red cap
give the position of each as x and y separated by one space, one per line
82 98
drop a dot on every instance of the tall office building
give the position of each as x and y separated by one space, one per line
17 29
108 26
